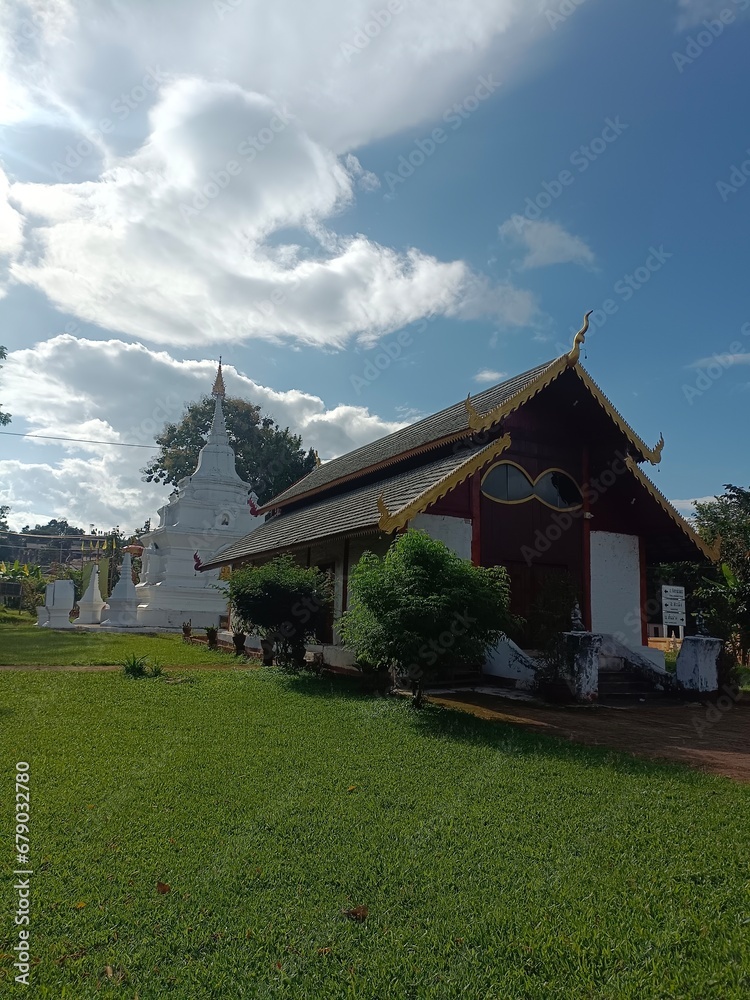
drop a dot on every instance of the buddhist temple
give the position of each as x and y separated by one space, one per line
539 473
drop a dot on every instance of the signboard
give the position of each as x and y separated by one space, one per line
673 606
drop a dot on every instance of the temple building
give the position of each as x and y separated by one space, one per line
208 510
539 474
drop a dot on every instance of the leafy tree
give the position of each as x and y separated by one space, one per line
4 417
726 595
4 511
422 609
281 601
720 592
268 458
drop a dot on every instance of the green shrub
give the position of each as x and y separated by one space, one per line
139 667
281 601
423 609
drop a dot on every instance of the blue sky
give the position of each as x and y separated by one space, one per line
584 158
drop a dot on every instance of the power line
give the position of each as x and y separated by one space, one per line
50 437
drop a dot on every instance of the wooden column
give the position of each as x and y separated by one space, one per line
345 577
476 514
586 607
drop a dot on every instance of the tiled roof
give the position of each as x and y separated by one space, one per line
356 510
453 420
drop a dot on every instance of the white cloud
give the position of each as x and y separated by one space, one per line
687 507
192 219
546 243
724 360
487 375
119 392
349 79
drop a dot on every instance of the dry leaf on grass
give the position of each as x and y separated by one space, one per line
357 913
163 888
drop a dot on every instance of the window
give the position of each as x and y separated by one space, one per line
507 482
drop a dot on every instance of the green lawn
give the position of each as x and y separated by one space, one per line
495 863
28 645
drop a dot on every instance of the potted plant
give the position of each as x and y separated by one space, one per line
187 629
212 634
238 638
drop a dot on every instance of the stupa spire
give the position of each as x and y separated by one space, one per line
219 391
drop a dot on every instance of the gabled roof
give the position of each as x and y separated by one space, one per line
424 435
461 420
385 505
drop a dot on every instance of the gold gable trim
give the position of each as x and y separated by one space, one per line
710 551
482 422
392 521
652 455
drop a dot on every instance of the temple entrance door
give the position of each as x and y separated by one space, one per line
543 595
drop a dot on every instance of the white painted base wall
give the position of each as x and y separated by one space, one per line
455 532
616 586
508 660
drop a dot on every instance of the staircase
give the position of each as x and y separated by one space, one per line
626 685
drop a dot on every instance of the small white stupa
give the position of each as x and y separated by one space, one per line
208 511
122 602
91 604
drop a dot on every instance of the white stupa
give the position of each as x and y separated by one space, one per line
208 511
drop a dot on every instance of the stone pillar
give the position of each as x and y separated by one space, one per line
582 651
123 602
91 604
59 601
698 663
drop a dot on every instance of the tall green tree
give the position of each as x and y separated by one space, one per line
726 595
268 458
4 417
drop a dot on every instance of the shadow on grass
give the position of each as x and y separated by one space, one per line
438 722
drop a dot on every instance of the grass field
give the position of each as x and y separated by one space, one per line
494 863
26 645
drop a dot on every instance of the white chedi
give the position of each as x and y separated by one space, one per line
91 605
209 510
123 603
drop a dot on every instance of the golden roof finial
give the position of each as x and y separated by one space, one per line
654 454
475 421
580 337
218 391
